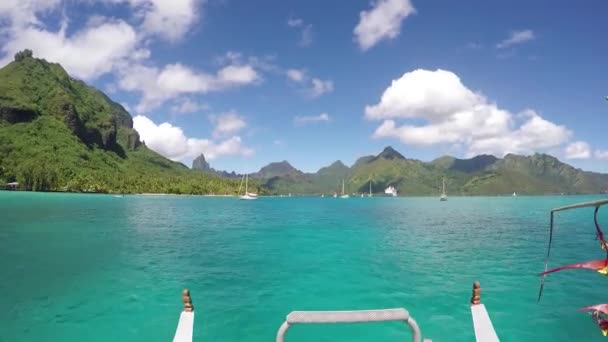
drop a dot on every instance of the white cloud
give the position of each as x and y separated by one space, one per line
264 63
436 93
296 75
158 86
106 43
516 37
320 87
601 154
301 120
227 123
578 150
305 31
171 142
236 75
313 87
188 106
381 22
170 20
456 115
24 12
98 48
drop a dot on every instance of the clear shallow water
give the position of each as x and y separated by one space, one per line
101 268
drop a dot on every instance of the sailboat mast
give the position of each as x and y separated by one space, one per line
241 185
443 185
246 182
370 187
343 187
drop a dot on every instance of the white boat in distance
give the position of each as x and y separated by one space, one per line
343 194
443 196
247 195
391 191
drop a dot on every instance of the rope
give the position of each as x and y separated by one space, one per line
542 281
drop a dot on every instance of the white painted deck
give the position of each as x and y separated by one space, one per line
484 330
185 327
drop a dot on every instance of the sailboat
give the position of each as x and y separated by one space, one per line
343 194
248 195
515 194
443 197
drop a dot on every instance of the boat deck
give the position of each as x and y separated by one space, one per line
482 325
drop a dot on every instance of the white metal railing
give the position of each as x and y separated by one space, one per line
361 316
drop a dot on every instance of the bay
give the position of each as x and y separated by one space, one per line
90 267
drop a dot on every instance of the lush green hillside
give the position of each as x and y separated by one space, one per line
57 133
481 175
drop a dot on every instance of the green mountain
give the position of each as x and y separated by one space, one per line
57 133
481 175
279 169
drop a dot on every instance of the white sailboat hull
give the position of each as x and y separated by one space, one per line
248 197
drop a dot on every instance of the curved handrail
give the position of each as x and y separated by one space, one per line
359 316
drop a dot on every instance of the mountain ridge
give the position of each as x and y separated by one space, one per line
538 173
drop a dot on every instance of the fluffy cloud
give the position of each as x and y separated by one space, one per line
23 12
320 87
170 20
171 142
516 37
453 114
301 120
381 22
578 150
106 44
305 31
227 123
159 85
601 154
314 87
296 75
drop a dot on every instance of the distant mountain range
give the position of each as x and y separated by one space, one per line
480 175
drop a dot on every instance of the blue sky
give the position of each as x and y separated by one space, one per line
251 82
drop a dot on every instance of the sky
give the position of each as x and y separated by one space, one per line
313 81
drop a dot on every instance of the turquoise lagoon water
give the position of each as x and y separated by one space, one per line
102 268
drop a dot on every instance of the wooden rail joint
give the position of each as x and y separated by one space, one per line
476 296
187 301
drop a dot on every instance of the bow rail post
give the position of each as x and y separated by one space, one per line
185 326
484 330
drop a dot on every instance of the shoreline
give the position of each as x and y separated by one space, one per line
151 194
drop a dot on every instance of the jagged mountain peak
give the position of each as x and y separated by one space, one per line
390 153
